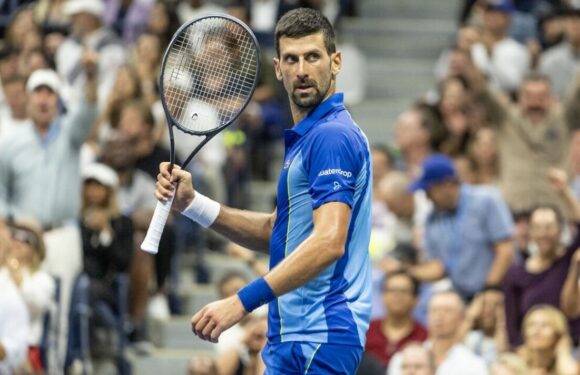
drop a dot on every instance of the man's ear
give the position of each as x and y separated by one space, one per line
336 63
276 62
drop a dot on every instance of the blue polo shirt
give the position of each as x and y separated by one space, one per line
327 160
464 240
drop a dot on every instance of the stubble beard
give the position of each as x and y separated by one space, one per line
305 103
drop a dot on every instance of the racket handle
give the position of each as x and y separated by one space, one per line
151 242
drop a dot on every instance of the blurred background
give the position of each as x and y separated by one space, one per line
486 271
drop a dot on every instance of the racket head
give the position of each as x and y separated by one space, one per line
209 73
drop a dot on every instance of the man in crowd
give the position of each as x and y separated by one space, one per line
446 313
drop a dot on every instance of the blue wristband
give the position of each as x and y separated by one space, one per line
256 294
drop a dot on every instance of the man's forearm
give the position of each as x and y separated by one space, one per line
501 263
246 228
306 262
430 271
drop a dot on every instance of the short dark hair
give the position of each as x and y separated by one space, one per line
414 281
302 22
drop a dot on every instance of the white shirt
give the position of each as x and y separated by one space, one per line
111 58
459 361
14 325
8 125
37 289
508 64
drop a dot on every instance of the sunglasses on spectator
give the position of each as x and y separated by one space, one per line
24 236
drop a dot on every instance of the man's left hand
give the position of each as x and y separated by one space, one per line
216 317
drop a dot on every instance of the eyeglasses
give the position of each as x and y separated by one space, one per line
24 236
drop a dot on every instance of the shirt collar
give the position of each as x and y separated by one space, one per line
336 101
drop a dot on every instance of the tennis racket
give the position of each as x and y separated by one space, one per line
208 75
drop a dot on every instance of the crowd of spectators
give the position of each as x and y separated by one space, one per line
476 201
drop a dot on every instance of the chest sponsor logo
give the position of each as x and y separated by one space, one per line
337 171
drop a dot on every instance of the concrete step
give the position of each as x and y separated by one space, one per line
435 9
176 334
398 78
376 117
165 361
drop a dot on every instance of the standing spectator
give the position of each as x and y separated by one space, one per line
498 56
190 9
413 139
446 314
533 136
39 165
163 21
484 330
467 234
560 63
89 33
534 281
125 17
547 347
390 334
14 115
36 286
484 158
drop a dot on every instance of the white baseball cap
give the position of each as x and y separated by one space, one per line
94 7
44 77
101 173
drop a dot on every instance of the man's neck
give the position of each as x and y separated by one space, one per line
440 347
42 128
299 113
398 322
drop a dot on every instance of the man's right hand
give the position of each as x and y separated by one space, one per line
166 183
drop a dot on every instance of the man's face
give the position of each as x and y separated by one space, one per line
43 105
496 22
398 295
535 99
409 131
443 195
415 362
132 125
573 29
306 69
445 315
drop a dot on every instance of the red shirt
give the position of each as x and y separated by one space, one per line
378 344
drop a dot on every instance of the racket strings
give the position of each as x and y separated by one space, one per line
210 73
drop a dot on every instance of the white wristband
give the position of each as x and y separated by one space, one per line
202 210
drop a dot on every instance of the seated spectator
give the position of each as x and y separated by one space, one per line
535 280
417 360
397 328
484 330
484 158
107 234
36 286
467 234
14 326
547 347
498 56
89 35
560 63
446 314
245 360
413 139
509 364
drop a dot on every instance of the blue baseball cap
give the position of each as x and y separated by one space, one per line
437 168
505 6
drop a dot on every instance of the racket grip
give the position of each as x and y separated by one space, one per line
151 242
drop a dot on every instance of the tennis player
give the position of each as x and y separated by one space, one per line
318 288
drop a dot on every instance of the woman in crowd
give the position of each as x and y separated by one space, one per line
37 287
483 157
547 347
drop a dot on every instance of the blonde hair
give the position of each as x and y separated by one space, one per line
559 324
32 226
512 362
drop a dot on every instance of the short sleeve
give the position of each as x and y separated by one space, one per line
498 220
335 160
